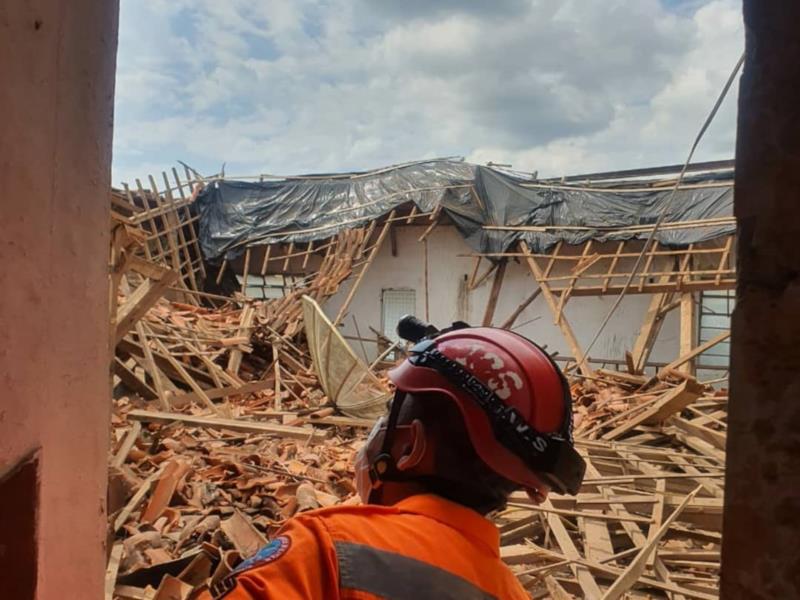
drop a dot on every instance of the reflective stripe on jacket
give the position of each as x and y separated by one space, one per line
422 548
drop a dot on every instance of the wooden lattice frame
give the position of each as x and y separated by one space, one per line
163 214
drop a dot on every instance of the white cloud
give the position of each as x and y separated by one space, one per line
291 86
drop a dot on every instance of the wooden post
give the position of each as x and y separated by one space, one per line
288 257
687 339
660 305
563 324
653 320
265 262
497 283
245 271
307 255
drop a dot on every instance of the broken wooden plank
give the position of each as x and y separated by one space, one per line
224 392
112 569
694 353
636 568
127 444
300 433
132 381
584 576
674 401
716 438
687 329
667 404
179 368
139 302
128 347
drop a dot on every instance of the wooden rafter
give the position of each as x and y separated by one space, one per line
688 330
562 322
660 305
595 272
494 295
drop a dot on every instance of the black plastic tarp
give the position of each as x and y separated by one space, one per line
235 214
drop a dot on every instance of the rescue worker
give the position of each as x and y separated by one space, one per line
478 413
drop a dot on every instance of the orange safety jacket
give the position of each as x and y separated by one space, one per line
424 547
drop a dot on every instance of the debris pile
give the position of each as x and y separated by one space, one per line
221 427
201 477
648 520
225 425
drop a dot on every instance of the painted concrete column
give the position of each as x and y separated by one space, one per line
57 63
761 528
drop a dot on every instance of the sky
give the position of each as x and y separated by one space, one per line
285 87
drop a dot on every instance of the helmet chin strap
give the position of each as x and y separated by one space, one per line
383 466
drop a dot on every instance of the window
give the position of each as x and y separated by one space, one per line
715 318
395 304
270 287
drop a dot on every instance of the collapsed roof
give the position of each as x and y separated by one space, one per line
492 208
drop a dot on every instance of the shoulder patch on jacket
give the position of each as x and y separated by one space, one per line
269 553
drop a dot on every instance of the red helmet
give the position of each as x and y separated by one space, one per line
515 402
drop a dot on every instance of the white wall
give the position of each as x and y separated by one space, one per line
448 270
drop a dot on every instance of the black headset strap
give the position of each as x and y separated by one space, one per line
387 469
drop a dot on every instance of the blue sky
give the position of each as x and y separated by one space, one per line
291 86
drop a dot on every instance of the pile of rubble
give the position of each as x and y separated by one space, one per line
201 477
224 426
648 520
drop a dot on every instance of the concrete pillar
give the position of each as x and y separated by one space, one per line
57 62
761 530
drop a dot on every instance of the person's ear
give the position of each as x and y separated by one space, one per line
414 447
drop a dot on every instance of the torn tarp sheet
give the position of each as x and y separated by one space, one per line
237 214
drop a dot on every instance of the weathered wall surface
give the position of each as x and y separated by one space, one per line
447 275
761 527
57 60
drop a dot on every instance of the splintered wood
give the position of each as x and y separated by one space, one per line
221 431
647 522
